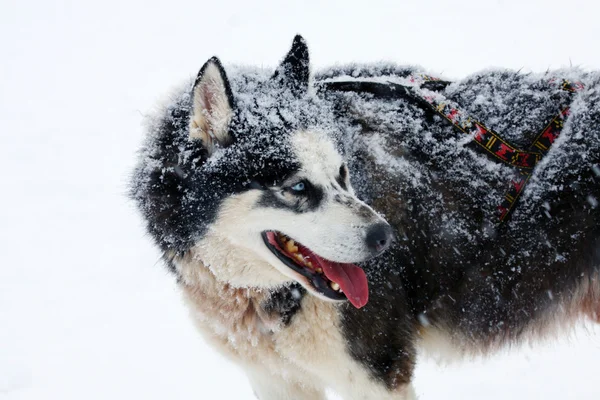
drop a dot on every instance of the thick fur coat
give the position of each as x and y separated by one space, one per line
223 163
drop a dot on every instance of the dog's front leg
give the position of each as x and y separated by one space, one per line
267 386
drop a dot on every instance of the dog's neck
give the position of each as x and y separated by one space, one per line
222 306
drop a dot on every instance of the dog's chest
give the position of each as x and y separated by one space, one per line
232 319
266 329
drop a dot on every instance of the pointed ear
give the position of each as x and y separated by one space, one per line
294 71
212 106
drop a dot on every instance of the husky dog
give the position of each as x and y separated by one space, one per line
326 227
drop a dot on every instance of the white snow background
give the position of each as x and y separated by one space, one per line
86 309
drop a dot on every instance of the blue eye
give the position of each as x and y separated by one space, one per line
298 187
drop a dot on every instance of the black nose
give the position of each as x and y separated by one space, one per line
379 237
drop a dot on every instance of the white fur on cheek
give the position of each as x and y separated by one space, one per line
233 247
234 250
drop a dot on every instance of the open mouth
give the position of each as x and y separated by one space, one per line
333 280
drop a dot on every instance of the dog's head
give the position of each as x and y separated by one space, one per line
258 190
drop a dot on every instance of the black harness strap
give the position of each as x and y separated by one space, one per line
423 91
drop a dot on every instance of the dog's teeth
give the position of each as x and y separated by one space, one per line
299 257
291 246
334 286
319 270
309 264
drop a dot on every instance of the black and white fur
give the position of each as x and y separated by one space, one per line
219 166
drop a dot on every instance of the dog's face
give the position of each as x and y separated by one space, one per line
289 212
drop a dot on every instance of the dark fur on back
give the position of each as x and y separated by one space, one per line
454 269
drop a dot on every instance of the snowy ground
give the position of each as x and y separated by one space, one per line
85 310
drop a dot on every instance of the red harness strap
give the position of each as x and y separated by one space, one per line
486 138
493 144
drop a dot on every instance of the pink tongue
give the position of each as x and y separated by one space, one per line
351 279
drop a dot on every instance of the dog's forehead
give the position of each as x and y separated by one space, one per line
316 154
